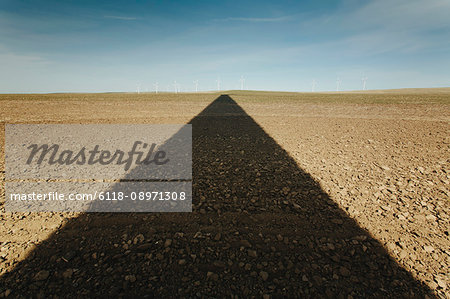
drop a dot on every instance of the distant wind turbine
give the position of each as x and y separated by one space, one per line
242 80
338 84
196 85
175 85
364 80
313 85
156 87
218 84
138 89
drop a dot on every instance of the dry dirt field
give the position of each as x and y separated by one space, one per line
295 195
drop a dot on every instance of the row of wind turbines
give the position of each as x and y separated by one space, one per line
177 87
338 84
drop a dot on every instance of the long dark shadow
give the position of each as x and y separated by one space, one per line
260 225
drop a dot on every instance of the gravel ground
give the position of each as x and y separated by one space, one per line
293 198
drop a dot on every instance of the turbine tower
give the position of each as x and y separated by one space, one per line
138 89
156 87
338 83
313 85
218 84
175 85
364 80
196 85
242 80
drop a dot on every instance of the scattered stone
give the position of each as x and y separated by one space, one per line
212 276
130 278
245 243
168 243
218 237
403 254
344 271
138 239
431 217
441 282
252 253
41 275
264 275
428 248
68 273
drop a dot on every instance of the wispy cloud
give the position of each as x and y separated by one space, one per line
123 18
256 20
10 57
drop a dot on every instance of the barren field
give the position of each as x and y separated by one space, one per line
299 195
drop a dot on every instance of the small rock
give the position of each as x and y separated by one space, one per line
428 248
41 275
441 283
391 246
138 239
168 243
403 254
431 218
68 273
344 271
245 243
433 285
386 208
252 253
264 275
212 275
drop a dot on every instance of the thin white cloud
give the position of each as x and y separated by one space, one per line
257 20
410 15
123 18
8 57
384 26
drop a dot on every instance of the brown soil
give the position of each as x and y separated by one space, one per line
293 196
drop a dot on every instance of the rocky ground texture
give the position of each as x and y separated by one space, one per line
298 195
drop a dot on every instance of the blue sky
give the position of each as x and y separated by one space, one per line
95 46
